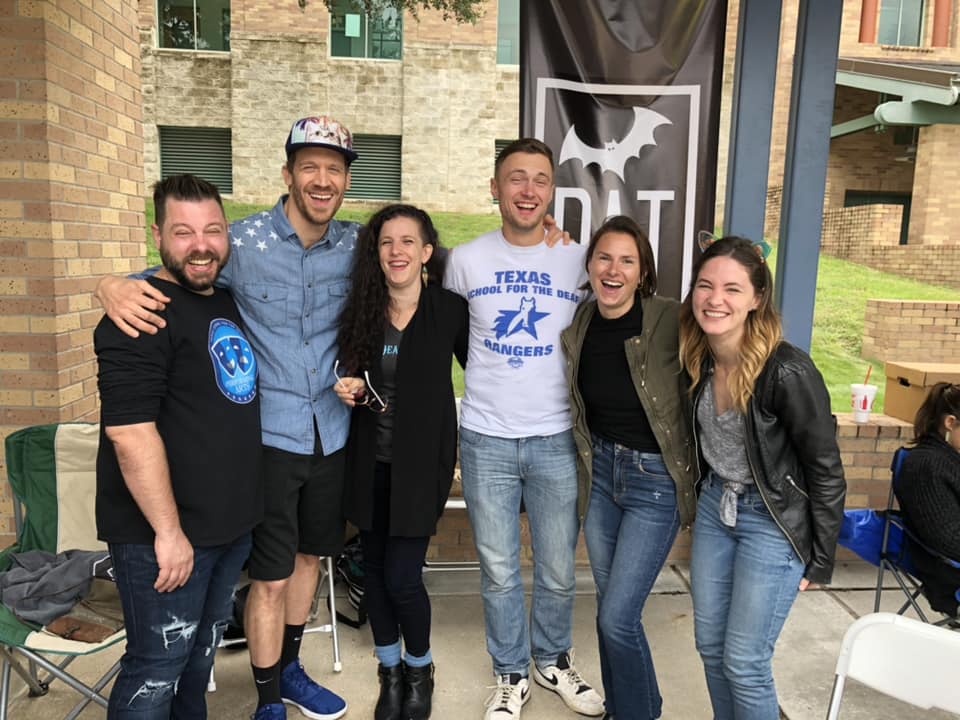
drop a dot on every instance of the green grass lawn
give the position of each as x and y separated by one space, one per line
843 289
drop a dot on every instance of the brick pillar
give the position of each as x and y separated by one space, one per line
942 14
935 214
71 183
868 21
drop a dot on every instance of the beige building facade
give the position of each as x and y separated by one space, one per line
448 93
437 109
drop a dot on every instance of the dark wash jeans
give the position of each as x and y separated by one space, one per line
631 524
171 637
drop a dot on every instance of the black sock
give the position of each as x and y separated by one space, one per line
267 681
292 635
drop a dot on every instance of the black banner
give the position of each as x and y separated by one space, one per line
627 94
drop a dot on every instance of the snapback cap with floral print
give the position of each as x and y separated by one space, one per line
321 131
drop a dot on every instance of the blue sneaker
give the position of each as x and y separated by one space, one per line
273 711
313 700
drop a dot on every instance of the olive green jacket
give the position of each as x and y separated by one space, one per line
654 360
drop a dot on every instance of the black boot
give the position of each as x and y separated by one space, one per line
390 702
417 692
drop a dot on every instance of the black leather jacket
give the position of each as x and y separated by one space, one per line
793 454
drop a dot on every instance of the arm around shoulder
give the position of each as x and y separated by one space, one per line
131 304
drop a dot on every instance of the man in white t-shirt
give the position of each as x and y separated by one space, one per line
515 433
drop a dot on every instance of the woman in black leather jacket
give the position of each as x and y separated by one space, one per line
772 487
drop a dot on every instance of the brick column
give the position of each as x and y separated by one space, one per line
935 213
71 183
942 14
868 21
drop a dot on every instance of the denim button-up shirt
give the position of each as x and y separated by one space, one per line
290 299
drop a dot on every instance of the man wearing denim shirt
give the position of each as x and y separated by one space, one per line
289 275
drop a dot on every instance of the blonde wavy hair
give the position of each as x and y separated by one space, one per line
763 331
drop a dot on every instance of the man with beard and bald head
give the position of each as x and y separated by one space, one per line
290 275
178 481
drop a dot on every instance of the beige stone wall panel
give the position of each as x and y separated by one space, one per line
454 98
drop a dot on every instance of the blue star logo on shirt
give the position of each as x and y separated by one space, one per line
510 322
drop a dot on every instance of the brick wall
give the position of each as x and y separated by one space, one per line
865 450
935 211
866 160
902 330
847 231
71 180
868 235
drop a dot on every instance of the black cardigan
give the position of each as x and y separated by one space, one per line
424 424
929 495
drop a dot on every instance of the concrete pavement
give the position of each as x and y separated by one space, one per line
803 666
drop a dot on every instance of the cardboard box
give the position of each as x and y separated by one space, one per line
909 382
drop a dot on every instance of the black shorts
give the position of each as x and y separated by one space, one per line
302 511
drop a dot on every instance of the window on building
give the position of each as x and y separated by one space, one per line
356 34
194 24
375 174
202 151
901 22
498 145
508 32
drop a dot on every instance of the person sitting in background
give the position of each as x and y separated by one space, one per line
398 333
929 494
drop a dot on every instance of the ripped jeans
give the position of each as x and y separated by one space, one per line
171 637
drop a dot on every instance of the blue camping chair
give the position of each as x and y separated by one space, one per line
895 550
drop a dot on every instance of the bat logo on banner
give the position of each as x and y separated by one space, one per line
613 155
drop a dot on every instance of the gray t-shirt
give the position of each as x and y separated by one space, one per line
723 438
388 391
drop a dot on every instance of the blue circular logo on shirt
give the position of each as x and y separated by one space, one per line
234 364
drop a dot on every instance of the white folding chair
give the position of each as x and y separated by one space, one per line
900 657
327 572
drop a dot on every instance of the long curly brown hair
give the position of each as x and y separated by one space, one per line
365 314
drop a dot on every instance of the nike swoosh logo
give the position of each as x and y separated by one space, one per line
261 682
552 679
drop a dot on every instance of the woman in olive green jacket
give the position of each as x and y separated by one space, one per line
635 456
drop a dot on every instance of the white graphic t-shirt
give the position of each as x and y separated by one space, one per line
520 299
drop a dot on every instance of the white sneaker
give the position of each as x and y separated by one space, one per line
565 680
511 694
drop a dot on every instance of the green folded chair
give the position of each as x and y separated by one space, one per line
52 474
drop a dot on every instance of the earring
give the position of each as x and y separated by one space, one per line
424 275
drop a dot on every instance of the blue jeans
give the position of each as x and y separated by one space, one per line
631 524
743 581
497 472
171 637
